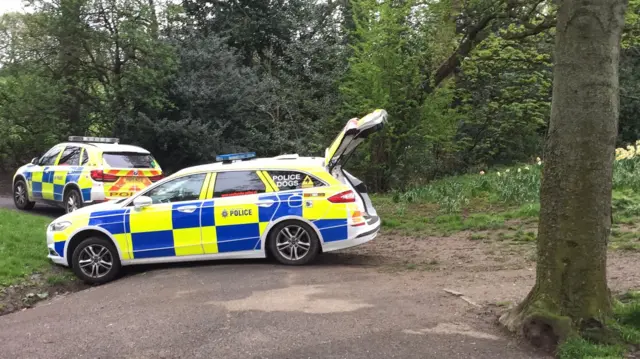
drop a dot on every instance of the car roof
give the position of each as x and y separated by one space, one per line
284 162
108 147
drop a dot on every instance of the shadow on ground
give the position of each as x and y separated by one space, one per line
323 260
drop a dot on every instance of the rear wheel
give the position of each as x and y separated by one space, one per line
20 196
96 261
293 243
72 200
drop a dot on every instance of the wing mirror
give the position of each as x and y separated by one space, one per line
34 161
141 202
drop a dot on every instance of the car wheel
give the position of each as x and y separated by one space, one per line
72 200
21 197
293 243
96 261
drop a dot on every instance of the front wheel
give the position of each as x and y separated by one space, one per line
293 243
21 197
96 261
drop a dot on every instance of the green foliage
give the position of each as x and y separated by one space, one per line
391 58
504 90
467 85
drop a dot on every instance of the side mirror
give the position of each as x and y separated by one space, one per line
141 202
34 161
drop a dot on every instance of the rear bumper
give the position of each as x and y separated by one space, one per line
362 235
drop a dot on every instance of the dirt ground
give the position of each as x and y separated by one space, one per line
490 272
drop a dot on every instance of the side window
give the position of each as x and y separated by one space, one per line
49 158
287 180
70 156
238 184
85 158
185 188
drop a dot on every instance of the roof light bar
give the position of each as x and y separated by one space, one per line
93 139
235 157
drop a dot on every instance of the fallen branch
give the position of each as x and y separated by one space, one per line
457 294
461 296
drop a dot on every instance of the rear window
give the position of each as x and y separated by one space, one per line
128 160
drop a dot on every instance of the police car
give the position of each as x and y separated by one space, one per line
84 171
288 207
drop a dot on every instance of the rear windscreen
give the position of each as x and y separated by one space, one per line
128 160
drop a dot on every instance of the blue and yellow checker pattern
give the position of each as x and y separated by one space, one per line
49 184
210 226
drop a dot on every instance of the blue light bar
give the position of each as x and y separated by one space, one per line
235 156
93 139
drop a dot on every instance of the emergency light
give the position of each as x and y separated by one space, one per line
93 139
235 157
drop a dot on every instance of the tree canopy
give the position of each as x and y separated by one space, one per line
467 84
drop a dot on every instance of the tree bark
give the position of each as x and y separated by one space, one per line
571 293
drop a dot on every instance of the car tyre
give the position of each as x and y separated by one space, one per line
21 196
72 200
293 243
96 261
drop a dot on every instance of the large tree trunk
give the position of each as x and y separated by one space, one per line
571 293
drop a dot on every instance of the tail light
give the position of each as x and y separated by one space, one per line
357 219
99 175
343 197
156 178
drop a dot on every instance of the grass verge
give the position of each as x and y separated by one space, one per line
26 275
23 249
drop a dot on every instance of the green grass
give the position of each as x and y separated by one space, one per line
427 219
625 324
504 203
23 249
578 348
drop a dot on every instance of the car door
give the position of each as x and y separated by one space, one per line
170 226
237 215
67 169
41 181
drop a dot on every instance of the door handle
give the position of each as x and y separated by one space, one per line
265 203
187 209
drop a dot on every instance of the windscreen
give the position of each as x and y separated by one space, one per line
128 160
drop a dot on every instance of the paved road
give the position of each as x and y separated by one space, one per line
257 310
42 209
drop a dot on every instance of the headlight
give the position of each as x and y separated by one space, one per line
59 226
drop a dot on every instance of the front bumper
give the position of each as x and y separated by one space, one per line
56 250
